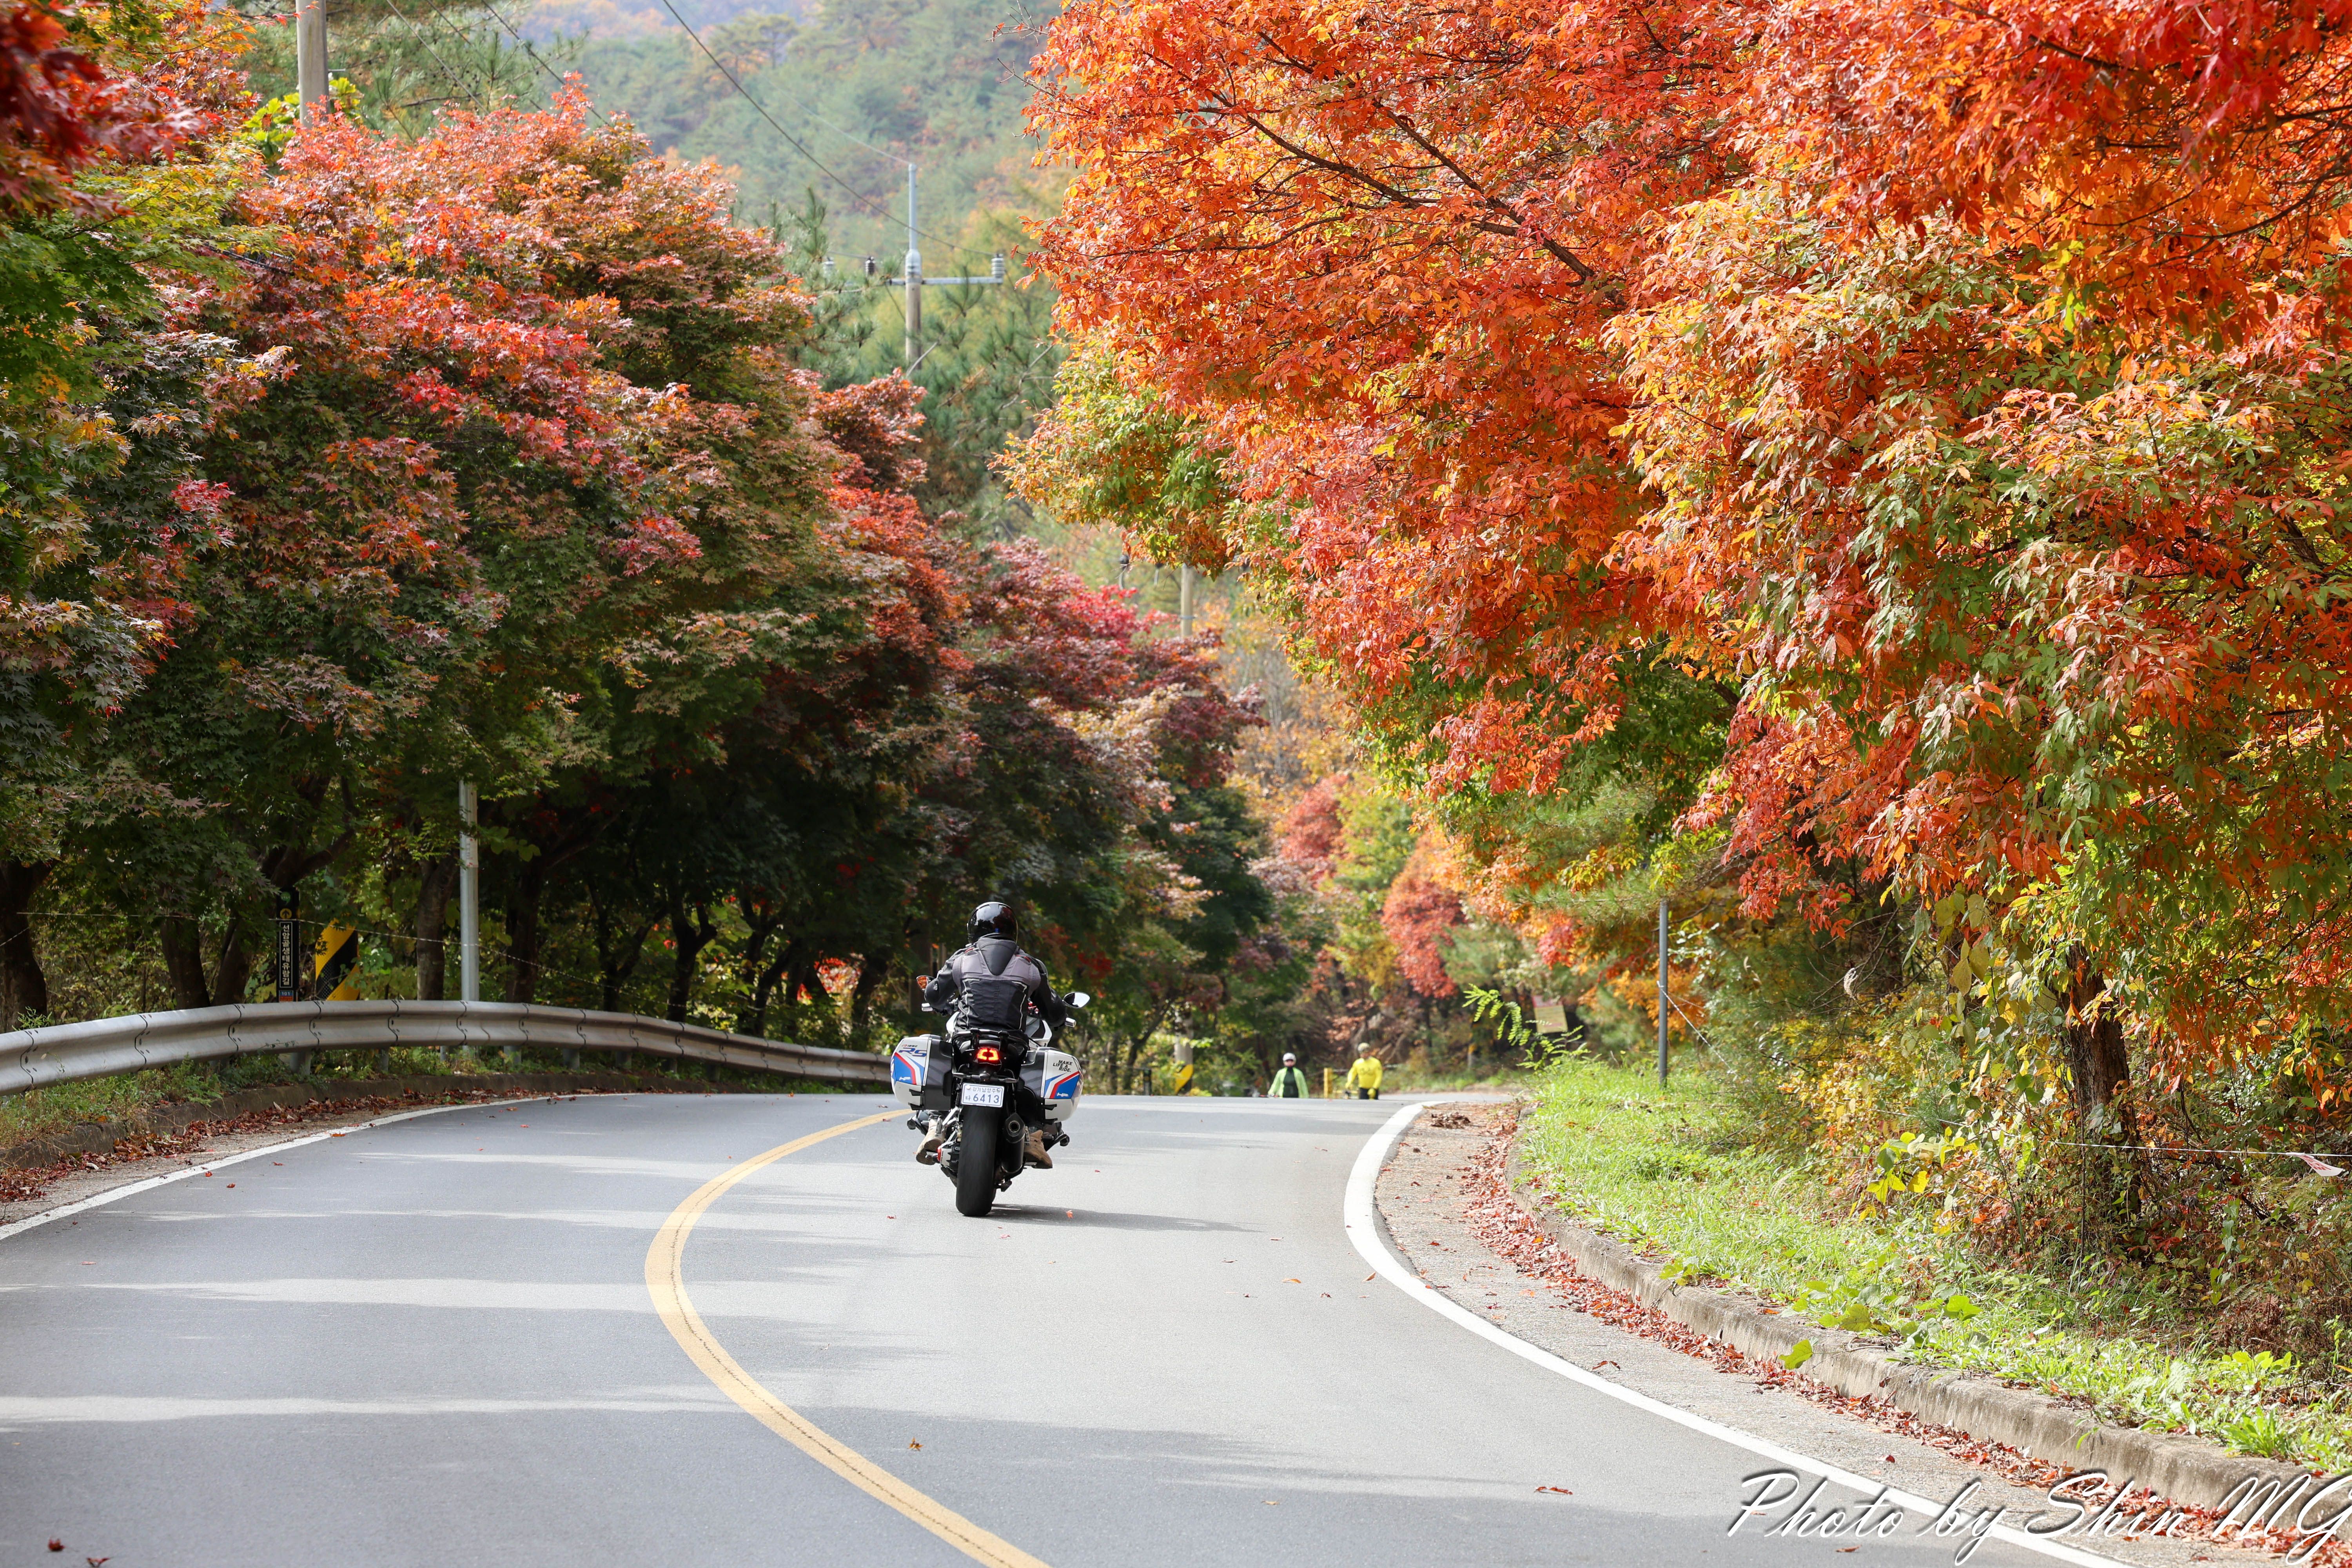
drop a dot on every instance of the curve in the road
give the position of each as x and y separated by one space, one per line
206 1167
1364 1230
665 1280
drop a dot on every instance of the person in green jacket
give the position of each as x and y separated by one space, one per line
1289 1083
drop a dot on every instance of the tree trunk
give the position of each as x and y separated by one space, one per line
183 961
872 969
2098 1065
24 989
690 937
235 965
616 957
433 892
523 895
764 988
752 969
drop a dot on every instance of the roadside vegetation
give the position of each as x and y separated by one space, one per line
1681 1173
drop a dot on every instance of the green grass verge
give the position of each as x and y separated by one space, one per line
46 1113
1670 1171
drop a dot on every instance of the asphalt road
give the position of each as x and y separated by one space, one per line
434 1342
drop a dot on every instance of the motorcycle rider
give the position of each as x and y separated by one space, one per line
980 969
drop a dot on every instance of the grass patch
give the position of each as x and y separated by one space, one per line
1672 1169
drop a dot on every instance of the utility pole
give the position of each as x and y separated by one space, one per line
469 898
1665 999
914 281
310 57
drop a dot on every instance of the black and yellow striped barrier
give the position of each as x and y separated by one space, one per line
332 958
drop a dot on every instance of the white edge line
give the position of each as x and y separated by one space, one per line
204 1167
1363 1218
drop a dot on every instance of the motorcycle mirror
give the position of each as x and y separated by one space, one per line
1079 998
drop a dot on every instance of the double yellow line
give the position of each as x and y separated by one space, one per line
665 1280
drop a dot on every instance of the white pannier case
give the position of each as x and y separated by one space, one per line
1053 1077
918 1072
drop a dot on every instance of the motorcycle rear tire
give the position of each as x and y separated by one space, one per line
983 1128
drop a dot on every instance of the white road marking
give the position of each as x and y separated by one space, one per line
116 1194
1362 1215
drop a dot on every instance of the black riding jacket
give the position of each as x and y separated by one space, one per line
997 983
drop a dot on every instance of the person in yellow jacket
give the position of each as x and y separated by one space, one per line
1364 1076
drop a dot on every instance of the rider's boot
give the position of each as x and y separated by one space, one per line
927 1153
1035 1149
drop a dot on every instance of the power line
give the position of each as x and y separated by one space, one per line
856 195
531 50
449 73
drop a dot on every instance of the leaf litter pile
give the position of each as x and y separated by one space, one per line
1494 1215
20 1185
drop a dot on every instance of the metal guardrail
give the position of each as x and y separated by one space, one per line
99 1047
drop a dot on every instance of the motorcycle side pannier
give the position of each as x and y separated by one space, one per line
1053 1077
918 1072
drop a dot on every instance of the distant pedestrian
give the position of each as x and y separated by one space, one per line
1289 1083
1364 1077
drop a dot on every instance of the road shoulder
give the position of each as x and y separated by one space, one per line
1443 1200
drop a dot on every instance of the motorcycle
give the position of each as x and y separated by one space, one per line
981 1079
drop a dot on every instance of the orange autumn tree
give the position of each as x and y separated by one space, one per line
1957 385
2002 408
1368 255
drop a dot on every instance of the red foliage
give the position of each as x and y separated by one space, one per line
1312 834
59 107
879 428
1419 913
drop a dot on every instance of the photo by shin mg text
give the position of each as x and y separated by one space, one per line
2308 1510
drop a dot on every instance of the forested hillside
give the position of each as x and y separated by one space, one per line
866 90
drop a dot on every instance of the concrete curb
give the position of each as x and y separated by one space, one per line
100 1137
2185 1469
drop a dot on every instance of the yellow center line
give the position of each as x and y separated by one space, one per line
665 1280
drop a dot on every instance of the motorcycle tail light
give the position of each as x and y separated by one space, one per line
988 1054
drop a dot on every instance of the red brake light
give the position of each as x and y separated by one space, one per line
988 1054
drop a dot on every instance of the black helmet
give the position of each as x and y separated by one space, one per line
992 919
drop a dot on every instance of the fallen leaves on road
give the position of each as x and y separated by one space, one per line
914 1445
1561 1490
56 1545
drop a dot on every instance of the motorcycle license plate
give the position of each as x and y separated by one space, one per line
990 1094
